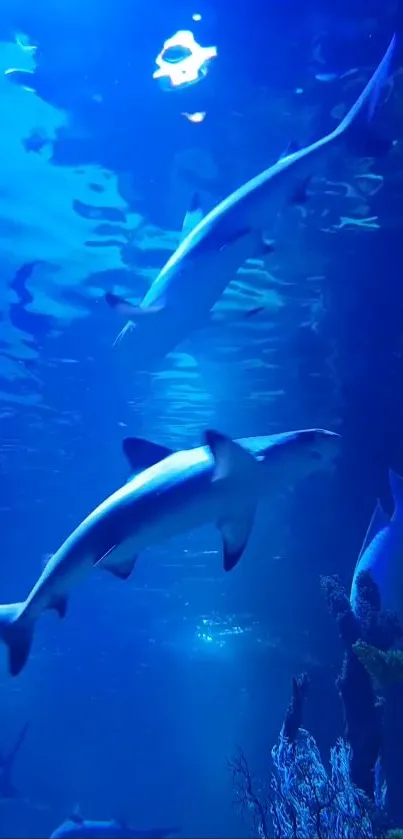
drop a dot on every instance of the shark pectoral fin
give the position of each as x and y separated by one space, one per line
131 311
193 216
143 453
121 306
235 534
59 604
121 568
234 465
378 522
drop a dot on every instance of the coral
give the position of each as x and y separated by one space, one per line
339 607
248 798
384 666
362 721
293 715
303 800
362 710
377 627
309 803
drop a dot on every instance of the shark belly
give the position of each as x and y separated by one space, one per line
67 568
163 513
199 282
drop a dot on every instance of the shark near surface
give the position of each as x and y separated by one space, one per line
170 494
195 276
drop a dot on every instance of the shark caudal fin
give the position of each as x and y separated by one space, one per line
356 122
17 633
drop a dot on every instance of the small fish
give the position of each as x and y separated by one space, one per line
382 553
196 275
78 828
170 494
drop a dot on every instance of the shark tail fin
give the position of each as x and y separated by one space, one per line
355 124
17 633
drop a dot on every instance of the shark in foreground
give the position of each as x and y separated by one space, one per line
382 553
216 246
78 828
170 494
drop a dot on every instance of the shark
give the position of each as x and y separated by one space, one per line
215 246
381 554
169 494
7 760
76 827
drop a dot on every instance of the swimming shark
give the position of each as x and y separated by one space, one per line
207 259
169 494
78 828
7 760
381 554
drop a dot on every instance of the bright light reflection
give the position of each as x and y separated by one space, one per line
182 61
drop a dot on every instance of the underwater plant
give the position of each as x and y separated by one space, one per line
363 712
302 799
385 667
312 803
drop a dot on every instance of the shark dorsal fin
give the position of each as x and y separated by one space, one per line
76 815
378 522
143 453
193 216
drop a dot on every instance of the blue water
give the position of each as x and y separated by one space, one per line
138 699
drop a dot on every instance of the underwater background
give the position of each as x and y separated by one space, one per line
136 702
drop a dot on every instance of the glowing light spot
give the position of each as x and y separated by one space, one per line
199 116
182 61
196 17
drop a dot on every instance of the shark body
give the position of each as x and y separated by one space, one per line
381 554
195 276
78 828
172 493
